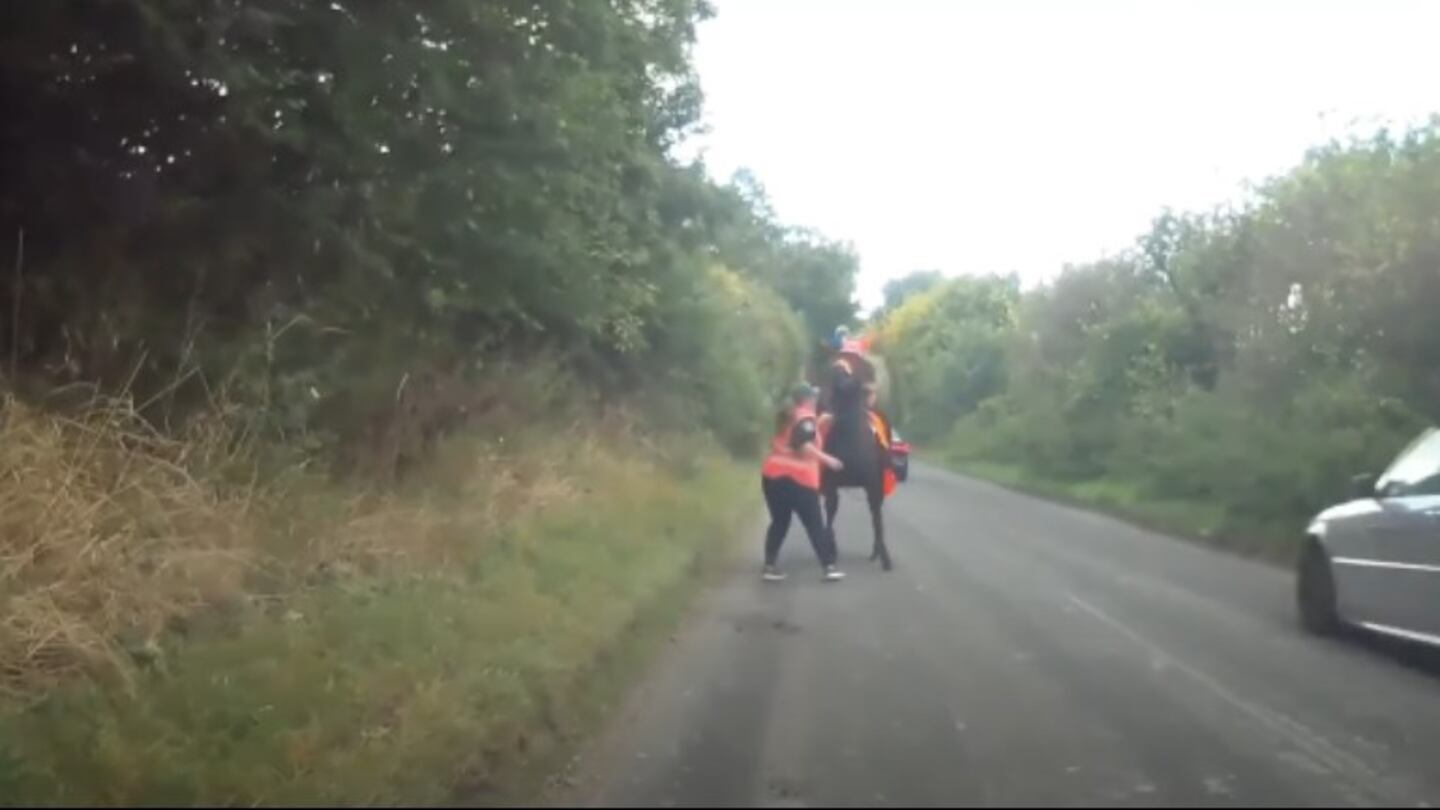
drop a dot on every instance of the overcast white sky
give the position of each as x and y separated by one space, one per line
1017 135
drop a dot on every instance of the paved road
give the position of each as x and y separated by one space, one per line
1021 653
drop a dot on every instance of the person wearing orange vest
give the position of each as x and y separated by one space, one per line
790 479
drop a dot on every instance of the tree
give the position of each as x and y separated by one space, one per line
945 349
1245 359
897 291
312 201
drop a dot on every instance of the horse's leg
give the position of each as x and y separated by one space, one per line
876 496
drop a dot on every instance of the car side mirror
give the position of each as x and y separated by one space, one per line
1363 486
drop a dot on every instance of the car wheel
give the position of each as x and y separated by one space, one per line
1315 591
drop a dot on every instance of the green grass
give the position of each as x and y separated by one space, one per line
465 683
1197 521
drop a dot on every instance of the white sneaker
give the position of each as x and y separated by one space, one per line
833 574
772 574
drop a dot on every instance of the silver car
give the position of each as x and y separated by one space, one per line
1374 562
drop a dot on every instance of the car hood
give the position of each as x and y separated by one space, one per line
1349 509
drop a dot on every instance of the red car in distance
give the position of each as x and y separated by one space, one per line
899 455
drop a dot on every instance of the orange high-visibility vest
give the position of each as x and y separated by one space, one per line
784 462
877 426
882 435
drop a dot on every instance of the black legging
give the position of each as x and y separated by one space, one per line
784 497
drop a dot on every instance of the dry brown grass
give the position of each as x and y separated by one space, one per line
470 494
109 530
516 585
104 536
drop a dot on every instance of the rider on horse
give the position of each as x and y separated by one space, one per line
853 432
853 352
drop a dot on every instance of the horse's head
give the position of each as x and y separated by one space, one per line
847 384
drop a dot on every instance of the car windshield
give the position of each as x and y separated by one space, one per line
1416 470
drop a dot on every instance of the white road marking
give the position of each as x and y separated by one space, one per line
1334 760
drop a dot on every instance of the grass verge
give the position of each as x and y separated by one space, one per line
1206 523
447 644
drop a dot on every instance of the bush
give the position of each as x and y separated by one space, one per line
172 638
740 344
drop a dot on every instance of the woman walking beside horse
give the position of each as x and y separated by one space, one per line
790 479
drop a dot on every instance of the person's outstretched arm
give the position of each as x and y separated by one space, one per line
811 450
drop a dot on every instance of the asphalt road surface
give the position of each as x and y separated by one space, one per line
1022 653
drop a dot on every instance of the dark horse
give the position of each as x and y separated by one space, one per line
850 439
